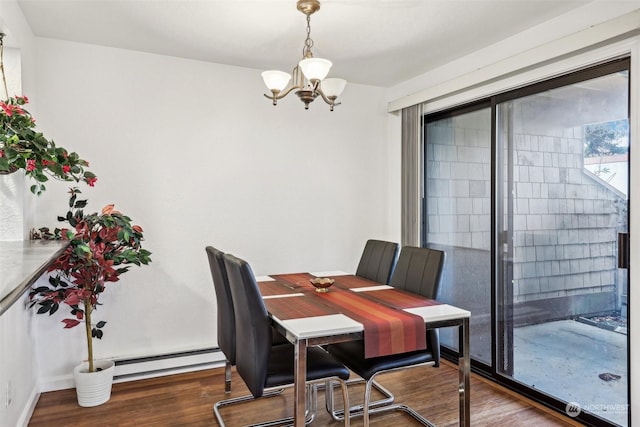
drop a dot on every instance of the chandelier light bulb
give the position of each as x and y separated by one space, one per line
315 68
333 87
275 79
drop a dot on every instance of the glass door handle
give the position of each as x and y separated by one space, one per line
623 250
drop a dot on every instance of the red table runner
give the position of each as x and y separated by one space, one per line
394 297
387 329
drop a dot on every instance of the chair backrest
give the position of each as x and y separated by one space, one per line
226 316
419 270
377 260
253 327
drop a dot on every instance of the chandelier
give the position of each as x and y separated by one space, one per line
309 80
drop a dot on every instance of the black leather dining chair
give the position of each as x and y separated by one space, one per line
418 270
226 316
261 365
377 260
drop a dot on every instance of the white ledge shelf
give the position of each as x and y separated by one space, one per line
21 264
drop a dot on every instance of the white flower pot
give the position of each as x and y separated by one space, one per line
93 388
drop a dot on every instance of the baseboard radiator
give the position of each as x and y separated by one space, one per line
167 364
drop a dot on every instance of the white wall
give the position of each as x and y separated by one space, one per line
196 155
18 372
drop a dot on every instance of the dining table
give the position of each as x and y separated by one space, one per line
390 321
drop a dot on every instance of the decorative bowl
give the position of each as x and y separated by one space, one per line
322 284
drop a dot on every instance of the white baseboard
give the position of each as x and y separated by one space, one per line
30 406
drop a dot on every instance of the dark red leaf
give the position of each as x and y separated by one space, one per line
70 323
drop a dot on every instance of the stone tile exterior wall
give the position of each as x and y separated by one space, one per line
458 168
565 219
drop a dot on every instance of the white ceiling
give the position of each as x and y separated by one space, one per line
376 42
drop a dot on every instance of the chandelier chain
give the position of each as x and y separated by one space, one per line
308 42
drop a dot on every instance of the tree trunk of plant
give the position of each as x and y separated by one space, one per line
87 323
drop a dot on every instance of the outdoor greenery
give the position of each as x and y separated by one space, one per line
606 139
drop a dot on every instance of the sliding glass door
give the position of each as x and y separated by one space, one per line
457 213
528 194
563 174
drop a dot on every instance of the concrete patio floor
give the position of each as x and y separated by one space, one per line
566 358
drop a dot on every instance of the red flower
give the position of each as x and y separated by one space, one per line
8 109
92 181
31 165
1 153
46 162
66 168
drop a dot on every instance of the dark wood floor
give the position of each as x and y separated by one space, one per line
187 400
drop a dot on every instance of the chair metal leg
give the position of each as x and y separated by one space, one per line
310 413
345 399
356 410
404 408
366 410
227 377
365 405
240 399
369 408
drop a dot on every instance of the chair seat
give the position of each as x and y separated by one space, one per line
351 353
320 364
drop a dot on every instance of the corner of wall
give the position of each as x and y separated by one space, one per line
28 408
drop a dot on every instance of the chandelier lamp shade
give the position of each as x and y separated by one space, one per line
308 78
